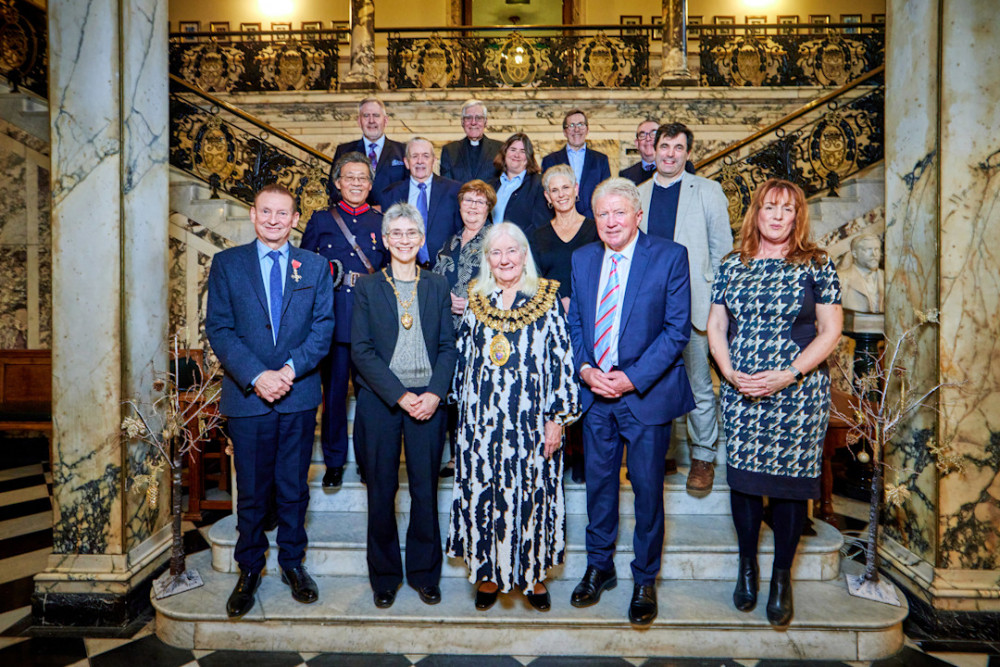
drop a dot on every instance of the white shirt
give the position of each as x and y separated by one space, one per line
624 266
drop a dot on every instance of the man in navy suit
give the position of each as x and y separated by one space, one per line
434 197
270 319
385 154
629 318
471 157
590 166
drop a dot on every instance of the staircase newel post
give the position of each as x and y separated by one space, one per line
362 75
673 64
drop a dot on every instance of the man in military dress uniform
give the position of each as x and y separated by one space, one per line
349 235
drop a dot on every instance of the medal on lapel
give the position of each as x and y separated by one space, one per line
295 270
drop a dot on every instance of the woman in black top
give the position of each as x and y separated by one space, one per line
553 244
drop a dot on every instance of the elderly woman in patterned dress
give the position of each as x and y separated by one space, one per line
458 261
515 389
775 318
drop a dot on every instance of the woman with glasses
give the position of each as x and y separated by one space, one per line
519 186
458 262
516 389
403 345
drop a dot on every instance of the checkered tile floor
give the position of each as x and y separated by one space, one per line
26 541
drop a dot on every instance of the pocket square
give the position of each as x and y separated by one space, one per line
398 163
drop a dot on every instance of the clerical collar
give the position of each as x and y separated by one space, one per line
347 208
475 142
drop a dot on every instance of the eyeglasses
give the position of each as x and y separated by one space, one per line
473 119
408 234
574 126
475 202
355 179
642 136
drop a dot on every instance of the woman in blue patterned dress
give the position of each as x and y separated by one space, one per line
774 320
515 388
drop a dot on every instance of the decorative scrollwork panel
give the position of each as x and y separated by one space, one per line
228 67
817 156
238 162
516 61
830 59
24 46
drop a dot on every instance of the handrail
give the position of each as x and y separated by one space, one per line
236 111
622 26
819 101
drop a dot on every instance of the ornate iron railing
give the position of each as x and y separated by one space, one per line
229 62
519 59
238 155
831 58
24 46
817 155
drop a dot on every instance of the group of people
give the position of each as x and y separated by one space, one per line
494 306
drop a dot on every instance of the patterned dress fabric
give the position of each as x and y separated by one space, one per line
460 264
508 514
775 444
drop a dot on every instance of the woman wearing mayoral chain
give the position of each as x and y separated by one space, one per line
515 390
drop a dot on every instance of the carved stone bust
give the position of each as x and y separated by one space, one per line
863 282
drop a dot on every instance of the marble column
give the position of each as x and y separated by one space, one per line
673 67
108 107
362 75
942 192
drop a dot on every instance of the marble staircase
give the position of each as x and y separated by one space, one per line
696 613
858 195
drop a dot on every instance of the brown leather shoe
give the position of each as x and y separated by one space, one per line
701 476
669 467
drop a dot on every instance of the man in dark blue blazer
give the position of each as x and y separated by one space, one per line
629 318
385 154
270 319
471 157
590 166
434 197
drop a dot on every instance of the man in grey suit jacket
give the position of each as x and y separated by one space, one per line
270 321
692 211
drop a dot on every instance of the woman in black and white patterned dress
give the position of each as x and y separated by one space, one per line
774 320
515 389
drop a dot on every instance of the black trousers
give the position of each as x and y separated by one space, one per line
385 431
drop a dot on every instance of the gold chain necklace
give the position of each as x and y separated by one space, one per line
405 319
499 348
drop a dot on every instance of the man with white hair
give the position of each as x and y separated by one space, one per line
471 157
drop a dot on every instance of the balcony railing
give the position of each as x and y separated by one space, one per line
24 46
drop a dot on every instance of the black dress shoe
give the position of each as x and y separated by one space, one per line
364 480
642 610
540 601
429 594
486 600
779 602
303 586
242 598
385 598
447 471
333 477
594 582
745 595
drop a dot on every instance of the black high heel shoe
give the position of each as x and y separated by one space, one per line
486 600
540 601
745 595
779 602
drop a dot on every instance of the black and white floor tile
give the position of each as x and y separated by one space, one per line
26 541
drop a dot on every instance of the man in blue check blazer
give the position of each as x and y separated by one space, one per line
270 320
590 166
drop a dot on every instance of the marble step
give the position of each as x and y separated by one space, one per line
696 547
696 618
352 496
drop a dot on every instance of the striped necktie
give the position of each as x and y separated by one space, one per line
423 256
606 308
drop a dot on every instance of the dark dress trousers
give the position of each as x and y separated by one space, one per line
443 220
273 441
527 207
638 175
323 236
385 424
595 170
655 327
461 162
390 167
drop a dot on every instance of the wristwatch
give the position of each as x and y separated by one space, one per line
795 372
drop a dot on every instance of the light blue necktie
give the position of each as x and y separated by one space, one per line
277 282
606 308
422 255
